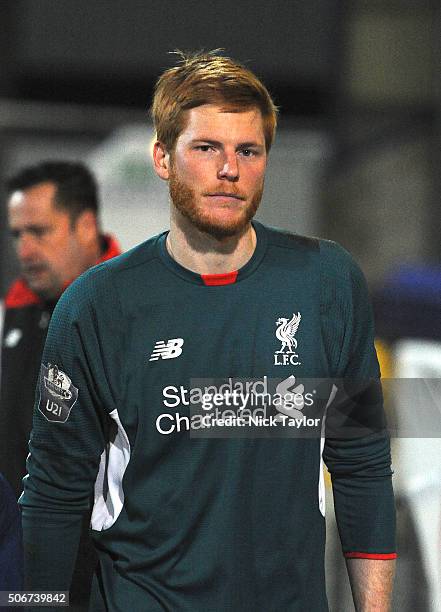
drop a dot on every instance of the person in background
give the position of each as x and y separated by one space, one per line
53 216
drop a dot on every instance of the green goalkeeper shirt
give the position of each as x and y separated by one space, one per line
195 410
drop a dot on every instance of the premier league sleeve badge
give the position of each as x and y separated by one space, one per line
57 394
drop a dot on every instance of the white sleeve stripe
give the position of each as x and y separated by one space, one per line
109 494
321 486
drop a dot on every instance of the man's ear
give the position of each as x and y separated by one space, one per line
86 226
161 160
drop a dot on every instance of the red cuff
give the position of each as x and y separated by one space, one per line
363 555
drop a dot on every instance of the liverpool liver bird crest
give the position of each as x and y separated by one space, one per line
286 332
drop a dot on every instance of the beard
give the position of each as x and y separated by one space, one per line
43 281
184 199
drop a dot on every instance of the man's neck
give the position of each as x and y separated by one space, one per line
205 254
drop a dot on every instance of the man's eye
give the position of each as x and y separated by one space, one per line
247 152
38 232
204 148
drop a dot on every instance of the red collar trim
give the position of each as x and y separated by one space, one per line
220 279
20 295
112 248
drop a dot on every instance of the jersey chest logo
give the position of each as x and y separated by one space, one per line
167 350
285 332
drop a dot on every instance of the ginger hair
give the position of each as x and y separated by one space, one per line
208 78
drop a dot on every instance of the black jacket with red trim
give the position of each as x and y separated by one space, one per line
26 319
11 545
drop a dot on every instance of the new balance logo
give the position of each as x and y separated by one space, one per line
167 350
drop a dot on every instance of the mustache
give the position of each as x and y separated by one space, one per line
33 267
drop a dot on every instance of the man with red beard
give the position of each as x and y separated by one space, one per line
189 512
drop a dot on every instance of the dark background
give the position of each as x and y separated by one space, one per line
111 52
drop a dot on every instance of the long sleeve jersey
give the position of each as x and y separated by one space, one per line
146 394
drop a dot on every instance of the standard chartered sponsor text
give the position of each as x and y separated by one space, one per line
234 403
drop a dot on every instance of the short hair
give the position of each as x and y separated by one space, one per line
76 187
207 78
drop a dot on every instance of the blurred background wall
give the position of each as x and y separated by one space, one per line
357 157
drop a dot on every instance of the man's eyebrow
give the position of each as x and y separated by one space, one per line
34 227
217 143
255 145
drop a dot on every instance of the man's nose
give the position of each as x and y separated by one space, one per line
26 247
229 167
